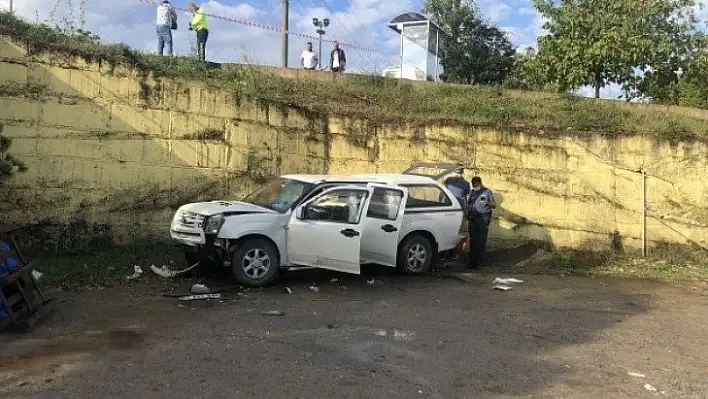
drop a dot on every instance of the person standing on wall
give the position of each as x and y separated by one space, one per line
166 23
199 25
337 59
460 188
308 59
481 203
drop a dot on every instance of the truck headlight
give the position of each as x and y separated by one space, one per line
213 224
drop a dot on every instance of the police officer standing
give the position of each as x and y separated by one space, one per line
480 205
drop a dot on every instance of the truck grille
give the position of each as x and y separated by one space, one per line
190 219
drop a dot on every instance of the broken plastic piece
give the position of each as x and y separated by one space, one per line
314 288
36 275
272 313
165 272
500 280
649 388
639 375
502 287
138 271
288 290
200 296
200 289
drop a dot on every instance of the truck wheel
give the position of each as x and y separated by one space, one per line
256 263
415 255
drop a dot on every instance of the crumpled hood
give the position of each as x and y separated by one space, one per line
214 207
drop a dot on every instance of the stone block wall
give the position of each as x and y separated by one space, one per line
119 152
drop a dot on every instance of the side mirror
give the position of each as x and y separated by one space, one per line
299 212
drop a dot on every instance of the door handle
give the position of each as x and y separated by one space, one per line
349 233
389 228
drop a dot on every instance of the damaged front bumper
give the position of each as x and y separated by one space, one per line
209 250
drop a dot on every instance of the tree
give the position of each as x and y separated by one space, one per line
686 87
527 74
473 51
598 42
8 164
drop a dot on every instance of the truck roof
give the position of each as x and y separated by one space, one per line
368 178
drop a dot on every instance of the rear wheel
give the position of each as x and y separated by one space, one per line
415 255
256 263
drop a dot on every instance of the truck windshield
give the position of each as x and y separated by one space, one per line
278 194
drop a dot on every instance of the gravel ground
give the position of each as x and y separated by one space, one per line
443 336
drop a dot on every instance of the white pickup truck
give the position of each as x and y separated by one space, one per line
330 222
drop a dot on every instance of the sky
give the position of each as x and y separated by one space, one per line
355 23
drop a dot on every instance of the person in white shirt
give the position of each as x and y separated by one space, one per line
309 59
337 60
166 22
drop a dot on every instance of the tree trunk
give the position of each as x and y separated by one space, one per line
598 84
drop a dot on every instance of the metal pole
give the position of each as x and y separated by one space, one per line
437 52
644 211
319 57
401 74
10 6
284 45
427 48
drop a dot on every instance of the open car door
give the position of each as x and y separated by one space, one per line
382 224
326 231
434 170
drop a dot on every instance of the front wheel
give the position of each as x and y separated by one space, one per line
415 255
256 263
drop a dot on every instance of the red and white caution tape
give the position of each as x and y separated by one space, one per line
271 28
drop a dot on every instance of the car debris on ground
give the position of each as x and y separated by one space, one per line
165 271
504 284
649 387
37 275
288 290
200 289
314 288
137 272
199 297
272 313
502 288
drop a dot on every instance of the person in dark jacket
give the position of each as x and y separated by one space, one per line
460 188
337 59
480 205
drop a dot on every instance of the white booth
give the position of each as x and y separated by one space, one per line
420 48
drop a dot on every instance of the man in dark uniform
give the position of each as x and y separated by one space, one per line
480 205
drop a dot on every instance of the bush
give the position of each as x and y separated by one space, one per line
8 165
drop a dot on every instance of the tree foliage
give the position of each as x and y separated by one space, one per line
473 50
598 42
688 88
8 164
527 74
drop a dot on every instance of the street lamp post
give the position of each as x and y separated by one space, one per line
320 24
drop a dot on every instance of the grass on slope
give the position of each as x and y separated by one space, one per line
384 100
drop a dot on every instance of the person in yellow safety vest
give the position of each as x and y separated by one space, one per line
199 24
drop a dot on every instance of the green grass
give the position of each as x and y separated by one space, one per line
107 267
383 100
667 262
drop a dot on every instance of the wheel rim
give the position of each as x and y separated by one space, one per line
256 263
416 257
